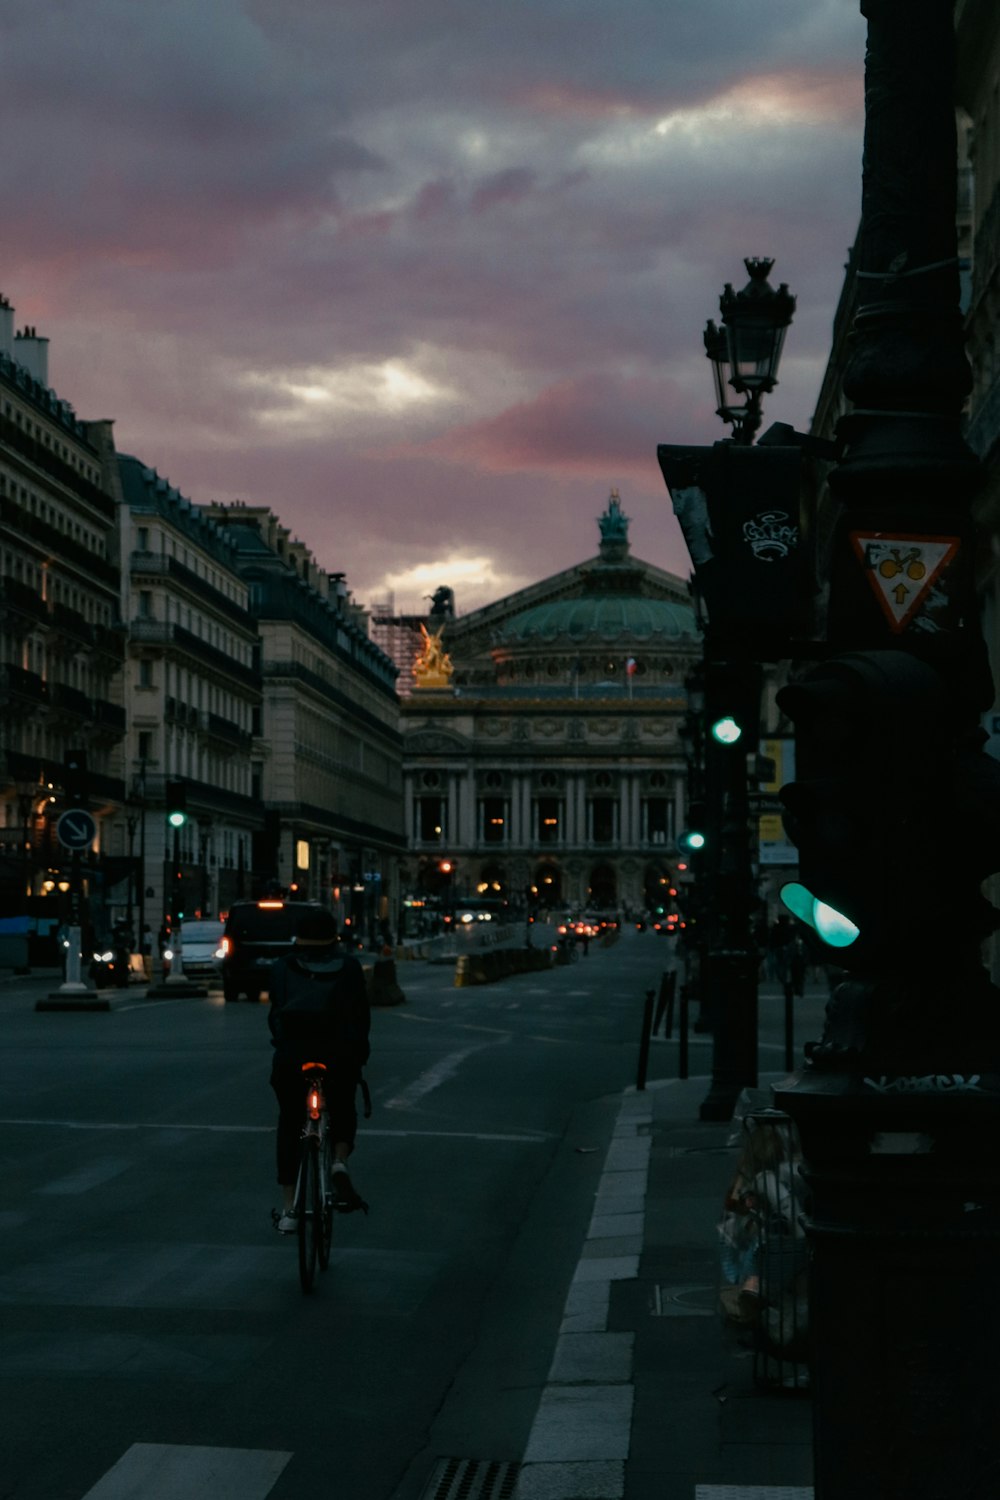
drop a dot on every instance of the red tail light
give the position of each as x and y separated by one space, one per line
314 1104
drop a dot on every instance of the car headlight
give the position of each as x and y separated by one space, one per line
104 958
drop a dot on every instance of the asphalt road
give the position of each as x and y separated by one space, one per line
153 1336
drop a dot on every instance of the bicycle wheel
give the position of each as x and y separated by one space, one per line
307 1200
326 1201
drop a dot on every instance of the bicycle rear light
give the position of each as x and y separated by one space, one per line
314 1104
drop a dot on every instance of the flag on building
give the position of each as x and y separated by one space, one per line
630 665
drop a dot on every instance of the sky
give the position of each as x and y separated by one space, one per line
428 278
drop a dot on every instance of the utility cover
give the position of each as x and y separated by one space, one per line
902 569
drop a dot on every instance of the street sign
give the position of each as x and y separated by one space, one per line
76 829
902 569
760 803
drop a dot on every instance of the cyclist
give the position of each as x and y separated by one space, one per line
319 1012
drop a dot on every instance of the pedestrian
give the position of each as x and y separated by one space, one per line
319 1012
788 957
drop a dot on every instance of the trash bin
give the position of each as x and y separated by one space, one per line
763 1251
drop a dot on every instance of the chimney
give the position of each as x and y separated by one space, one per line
6 327
33 354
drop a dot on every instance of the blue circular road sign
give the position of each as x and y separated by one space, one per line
76 829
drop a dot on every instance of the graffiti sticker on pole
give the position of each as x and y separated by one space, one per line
902 569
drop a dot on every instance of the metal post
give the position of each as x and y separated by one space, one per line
647 1027
732 959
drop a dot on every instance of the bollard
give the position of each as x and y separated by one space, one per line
647 1027
665 1003
682 1055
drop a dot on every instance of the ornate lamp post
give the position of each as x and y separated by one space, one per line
723 506
746 351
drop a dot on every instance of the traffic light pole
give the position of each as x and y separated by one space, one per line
899 1110
730 978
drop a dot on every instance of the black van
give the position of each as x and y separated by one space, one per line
256 933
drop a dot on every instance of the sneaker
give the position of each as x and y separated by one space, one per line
288 1222
344 1195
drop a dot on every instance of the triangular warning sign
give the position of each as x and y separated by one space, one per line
902 568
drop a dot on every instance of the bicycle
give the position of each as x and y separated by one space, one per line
313 1187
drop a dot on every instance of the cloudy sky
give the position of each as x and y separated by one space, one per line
428 277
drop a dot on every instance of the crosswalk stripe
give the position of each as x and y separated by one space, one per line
164 1471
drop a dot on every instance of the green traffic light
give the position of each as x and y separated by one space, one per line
692 839
835 929
726 731
177 819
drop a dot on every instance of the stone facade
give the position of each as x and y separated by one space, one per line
194 695
550 773
327 761
61 645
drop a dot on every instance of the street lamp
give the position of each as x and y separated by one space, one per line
746 351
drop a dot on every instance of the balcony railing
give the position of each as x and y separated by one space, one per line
19 598
110 715
69 700
28 687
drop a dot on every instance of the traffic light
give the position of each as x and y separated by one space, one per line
892 781
75 778
176 794
732 704
694 838
872 748
891 776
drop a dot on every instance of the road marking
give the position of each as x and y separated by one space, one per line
87 1177
432 1079
162 1471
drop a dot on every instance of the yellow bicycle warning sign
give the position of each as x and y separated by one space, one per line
902 569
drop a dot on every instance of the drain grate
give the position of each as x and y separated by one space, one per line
472 1479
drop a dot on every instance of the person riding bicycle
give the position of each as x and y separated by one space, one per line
319 1012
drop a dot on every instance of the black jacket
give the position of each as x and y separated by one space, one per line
319 1007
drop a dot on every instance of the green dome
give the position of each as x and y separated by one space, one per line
601 617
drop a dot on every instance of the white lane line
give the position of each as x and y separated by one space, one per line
161 1471
531 1138
92 1175
432 1078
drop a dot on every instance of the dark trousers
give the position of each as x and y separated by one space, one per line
289 1084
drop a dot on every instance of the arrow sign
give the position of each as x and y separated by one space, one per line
76 829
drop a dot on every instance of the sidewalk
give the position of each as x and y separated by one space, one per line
649 1397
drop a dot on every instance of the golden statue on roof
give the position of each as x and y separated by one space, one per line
433 667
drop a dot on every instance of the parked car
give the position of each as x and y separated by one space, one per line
258 932
201 950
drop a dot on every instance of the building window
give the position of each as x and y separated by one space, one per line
549 815
430 815
145 604
602 813
657 820
493 820
142 538
145 744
